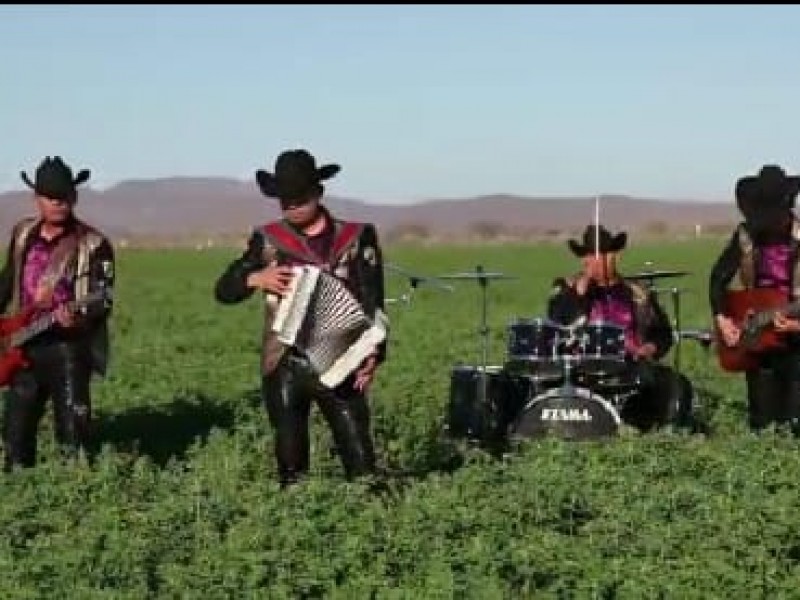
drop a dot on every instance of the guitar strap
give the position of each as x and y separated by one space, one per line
796 265
747 267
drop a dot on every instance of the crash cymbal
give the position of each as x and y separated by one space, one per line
658 274
417 278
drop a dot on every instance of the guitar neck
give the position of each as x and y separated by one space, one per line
45 322
793 310
33 329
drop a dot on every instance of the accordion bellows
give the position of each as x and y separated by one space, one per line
321 318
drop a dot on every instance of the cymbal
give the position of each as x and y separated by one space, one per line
418 278
655 274
477 275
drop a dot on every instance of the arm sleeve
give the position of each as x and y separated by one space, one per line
102 277
7 277
370 278
659 331
565 305
722 272
231 287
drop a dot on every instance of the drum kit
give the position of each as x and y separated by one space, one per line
571 381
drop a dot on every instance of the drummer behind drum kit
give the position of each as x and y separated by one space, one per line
568 381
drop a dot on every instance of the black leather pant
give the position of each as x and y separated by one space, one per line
665 397
60 371
773 391
288 393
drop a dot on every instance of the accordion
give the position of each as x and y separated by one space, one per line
321 318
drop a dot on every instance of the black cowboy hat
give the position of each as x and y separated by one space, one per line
767 195
54 179
608 242
296 176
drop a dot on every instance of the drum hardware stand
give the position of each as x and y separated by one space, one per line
482 277
676 305
413 283
483 282
701 336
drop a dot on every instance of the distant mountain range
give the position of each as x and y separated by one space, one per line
198 208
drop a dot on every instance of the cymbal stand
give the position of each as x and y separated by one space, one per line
676 308
413 283
483 332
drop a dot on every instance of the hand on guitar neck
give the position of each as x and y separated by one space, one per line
785 324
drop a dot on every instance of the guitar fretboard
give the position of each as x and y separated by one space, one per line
32 330
43 323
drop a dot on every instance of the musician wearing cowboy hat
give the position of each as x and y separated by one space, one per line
599 293
56 264
763 251
309 234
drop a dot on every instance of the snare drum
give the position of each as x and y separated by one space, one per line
602 349
568 412
467 416
534 348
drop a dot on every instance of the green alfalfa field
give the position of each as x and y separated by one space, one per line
180 499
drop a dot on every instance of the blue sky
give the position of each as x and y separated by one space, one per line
414 102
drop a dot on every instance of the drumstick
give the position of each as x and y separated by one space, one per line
597 225
597 235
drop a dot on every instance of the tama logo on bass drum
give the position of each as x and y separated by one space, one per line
566 414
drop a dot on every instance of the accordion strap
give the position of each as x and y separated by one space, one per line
287 240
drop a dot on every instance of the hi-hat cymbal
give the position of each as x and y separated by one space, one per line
659 274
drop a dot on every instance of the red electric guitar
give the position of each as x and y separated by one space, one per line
17 329
753 312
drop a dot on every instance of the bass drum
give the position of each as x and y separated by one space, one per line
568 412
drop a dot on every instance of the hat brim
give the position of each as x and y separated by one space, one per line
82 177
752 206
268 183
24 176
615 244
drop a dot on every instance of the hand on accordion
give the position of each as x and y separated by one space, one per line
366 372
271 279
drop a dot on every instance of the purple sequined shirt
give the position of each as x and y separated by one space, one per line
773 268
35 265
615 307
